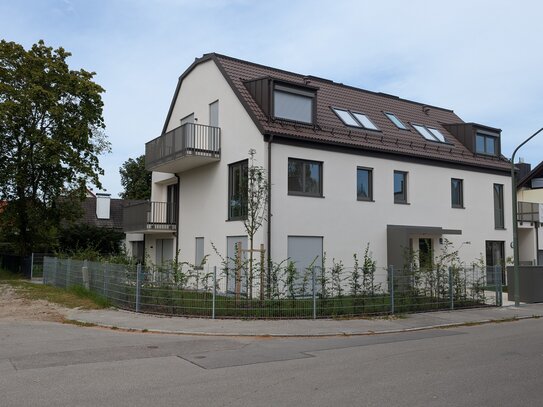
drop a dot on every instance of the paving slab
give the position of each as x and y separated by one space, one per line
112 318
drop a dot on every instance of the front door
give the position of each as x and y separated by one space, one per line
426 256
495 256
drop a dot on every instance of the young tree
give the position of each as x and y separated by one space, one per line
257 204
51 134
135 179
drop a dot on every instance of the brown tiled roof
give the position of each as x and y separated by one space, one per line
329 129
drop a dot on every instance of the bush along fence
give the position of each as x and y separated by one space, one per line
282 291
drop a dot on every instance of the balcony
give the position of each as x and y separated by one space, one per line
150 217
529 212
183 148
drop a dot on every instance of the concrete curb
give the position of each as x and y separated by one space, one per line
286 335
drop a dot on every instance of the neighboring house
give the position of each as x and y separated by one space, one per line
101 211
346 167
530 213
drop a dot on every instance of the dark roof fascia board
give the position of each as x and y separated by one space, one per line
353 150
530 175
484 127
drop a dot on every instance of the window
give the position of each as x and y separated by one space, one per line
429 133
199 253
237 190
293 104
457 193
392 117
486 144
304 177
498 207
214 114
400 187
364 121
364 184
354 119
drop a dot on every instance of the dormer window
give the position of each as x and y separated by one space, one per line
486 144
293 104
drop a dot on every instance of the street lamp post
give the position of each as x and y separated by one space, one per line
515 224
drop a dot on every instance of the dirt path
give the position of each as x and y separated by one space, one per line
14 307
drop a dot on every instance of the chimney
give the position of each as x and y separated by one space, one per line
102 205
523 169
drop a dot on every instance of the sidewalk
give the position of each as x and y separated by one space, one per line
298 328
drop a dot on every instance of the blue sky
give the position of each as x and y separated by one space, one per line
483 59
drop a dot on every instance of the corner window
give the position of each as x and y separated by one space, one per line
486 144
400 187
237 190
498 207
364 184
304 177
293 104
457 193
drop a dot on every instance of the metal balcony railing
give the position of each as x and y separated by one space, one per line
528 212
147 216
187 140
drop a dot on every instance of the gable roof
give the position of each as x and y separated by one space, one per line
329 130
537 172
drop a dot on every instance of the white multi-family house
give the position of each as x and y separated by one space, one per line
346 167
530 214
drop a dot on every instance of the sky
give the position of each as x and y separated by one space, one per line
482 59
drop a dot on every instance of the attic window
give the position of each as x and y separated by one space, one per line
396 121
429 133
354 119
293 104
486 144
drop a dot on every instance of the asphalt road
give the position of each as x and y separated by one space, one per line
49 364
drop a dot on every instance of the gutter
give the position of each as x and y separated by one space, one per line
177 216
269 232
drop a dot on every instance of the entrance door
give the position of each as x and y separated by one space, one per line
495 256
231 252
426 254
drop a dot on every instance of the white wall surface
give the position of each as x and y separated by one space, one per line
348 225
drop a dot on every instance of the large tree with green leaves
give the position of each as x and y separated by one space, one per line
51 134
135 179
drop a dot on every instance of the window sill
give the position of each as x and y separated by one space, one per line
364 200
304 195
495 228
458 207
235 219
401 203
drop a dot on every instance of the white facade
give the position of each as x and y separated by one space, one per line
345 224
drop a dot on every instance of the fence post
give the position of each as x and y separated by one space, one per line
214 291
314 292
138 285
68 271
451 294
85 275
32 266
55 271
498 284
391 273
105 279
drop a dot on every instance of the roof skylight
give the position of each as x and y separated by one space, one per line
364 121
430 133
346 117
396 121
354 119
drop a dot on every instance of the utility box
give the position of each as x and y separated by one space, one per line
530 283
